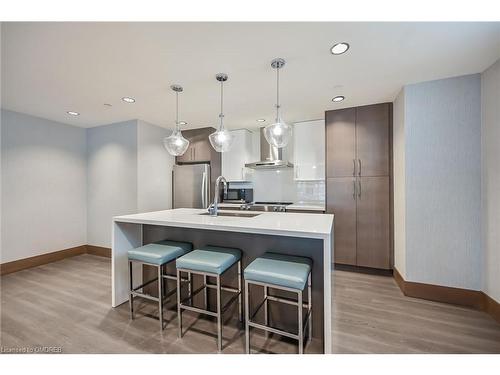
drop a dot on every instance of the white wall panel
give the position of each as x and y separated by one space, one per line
399 183
44 187
443 182
112 177
154 168
491 179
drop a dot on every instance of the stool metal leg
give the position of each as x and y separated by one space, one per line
266 310
301 331
131 296
205 292
164 281
219 316
309 307
179 311
247 318
160 297
240 297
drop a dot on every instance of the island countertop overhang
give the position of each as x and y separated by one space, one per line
273 223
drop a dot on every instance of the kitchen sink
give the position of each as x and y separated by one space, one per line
234 214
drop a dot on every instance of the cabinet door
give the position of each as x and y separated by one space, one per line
340 142
234 160
309 150
187 156
202 150
373 227
341 202
372 139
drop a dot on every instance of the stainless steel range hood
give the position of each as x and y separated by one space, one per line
270 157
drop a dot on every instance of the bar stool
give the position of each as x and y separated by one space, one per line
209 261
158 255
283 272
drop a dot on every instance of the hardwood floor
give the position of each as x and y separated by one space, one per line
67 304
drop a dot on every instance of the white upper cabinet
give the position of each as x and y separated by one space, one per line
241 152
309 150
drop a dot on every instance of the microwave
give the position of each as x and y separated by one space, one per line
238 196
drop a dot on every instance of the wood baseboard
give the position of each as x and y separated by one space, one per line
492 307
367 270
38 260
99 251
463 297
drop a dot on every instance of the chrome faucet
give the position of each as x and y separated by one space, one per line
214 207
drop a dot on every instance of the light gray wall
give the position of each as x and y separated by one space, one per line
154 168
43 186
112 177
129 171
491 179
399 183
443 182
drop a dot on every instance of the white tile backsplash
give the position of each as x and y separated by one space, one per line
279 185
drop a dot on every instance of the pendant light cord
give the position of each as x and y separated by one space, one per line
221 115
277 94
177 125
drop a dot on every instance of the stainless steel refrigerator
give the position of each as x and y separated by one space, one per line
191 186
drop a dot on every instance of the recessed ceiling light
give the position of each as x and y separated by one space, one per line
261 120
183 123
338 98
339 48
73 113
127 99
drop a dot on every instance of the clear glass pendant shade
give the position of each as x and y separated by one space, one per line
221 140
176 144
278 134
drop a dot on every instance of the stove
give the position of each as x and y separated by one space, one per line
266 206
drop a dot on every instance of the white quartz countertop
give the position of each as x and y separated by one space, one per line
273 223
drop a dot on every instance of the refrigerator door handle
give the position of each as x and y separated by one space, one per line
203 190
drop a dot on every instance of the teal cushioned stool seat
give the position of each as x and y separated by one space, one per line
282 270
160 252
209 259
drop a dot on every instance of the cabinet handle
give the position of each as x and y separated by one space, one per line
296 171
194 153
354 189
243 173
354 167
359 169
359 188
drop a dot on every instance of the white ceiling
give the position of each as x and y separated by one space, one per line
51 68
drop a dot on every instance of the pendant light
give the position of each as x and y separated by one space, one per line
176 144
279 133
221 140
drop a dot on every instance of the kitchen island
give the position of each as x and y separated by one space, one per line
308 235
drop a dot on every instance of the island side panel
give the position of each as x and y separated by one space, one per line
125 236
252 246
328 251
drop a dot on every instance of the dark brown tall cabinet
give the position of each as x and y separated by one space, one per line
358 180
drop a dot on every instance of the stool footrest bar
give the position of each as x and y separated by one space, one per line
198 310
273 330
145 284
